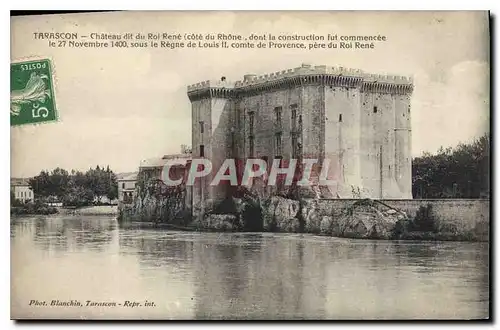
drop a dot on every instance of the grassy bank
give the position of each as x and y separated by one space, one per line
90 210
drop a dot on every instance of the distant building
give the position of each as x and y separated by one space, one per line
21 189
126 187
152 169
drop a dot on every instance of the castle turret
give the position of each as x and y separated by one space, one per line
212 127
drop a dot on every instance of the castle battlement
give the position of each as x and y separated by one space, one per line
318 73
210 84
388 79
359 121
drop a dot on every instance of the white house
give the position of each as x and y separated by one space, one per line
126 187
21 189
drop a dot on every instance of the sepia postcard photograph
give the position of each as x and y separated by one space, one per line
250 165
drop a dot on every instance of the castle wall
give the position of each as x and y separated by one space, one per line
385 148
265 128
200 111
402 126
370 146
462 214
312 106
360 122
221 128
217 116
342 138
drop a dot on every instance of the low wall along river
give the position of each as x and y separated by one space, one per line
463 213
435 219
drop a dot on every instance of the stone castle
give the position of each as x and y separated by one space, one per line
359 121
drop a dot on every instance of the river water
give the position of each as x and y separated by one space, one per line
192 275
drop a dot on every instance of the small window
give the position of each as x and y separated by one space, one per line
294 114
277 112
375 109
278 145
295 148
202 129
123 185
202 150
340 118
251 121
251 146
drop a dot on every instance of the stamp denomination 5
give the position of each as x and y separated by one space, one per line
32 93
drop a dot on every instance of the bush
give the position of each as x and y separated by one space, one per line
422 227
33 208
424 220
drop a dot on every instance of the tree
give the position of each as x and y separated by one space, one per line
75 187
78 196
461 172
40 184
58 182
99 181
112 193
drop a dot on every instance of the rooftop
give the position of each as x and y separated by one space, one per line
160 162
19 182
304 69
127 176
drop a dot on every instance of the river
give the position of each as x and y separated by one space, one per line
192 275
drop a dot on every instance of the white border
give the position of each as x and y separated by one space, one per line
196 5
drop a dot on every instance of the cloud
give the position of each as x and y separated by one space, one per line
455 110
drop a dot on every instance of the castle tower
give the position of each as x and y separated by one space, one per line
358 122
212 129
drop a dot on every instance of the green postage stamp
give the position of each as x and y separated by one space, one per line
32 93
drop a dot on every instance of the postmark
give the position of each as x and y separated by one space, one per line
32 98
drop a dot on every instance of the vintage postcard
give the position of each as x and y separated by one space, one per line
250 165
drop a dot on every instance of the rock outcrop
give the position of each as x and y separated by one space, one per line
250 210
311 215
157 203
220 222
281 214
368 219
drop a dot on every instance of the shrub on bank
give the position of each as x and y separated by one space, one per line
424 227
33 208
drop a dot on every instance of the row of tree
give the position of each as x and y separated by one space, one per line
460 172
75 188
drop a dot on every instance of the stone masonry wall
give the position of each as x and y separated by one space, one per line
465 214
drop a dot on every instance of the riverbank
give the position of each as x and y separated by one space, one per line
90 210
33 209
450 220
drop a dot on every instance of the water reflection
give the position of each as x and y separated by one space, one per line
240 275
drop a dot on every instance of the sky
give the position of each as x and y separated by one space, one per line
119 106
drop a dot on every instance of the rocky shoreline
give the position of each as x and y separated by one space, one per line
363 218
